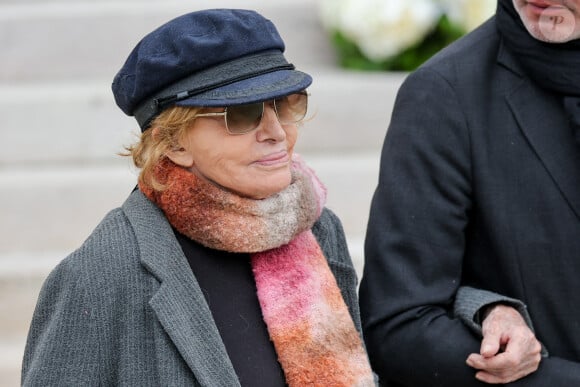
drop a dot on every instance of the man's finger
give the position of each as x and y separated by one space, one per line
490 344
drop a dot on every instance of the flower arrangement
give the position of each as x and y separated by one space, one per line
398 35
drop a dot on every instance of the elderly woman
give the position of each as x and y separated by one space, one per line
223 268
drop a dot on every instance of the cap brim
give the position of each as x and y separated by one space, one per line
256 89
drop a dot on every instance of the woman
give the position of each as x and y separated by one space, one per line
223 268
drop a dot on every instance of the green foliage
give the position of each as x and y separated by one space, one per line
350 56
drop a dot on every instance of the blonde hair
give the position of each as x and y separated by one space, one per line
164 134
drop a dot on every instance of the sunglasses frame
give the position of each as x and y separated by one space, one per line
225 112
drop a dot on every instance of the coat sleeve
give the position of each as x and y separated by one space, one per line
415 240
63 343
469 303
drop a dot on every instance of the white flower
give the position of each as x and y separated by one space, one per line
469 14
330 11
381 28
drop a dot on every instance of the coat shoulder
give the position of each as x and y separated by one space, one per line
110 252
474 55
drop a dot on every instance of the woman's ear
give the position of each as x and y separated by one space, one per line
179 154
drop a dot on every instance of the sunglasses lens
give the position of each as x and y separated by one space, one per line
291 108
244 118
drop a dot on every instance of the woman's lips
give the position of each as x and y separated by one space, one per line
274 159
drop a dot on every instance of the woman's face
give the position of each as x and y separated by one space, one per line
256 164
552 21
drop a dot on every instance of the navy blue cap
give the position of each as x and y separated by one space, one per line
210 58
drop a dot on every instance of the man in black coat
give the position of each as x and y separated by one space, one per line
478 208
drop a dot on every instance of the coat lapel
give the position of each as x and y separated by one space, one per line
543 122
179 303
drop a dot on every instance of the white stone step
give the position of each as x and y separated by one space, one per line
20 281
59 58
80 39
80 123
10 363
55 208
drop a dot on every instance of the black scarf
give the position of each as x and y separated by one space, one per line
553 66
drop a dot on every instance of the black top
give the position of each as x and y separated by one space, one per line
229 288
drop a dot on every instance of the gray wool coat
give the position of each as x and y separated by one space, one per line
125 308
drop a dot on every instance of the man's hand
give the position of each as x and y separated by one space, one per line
509 349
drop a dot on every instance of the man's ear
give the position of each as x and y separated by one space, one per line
179 154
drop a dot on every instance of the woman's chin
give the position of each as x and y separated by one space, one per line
267 186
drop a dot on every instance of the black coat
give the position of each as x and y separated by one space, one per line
479 185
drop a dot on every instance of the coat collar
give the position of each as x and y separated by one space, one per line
178 303
542 119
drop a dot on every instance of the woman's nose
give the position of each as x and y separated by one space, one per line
270 127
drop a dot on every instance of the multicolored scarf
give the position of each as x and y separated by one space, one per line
307 319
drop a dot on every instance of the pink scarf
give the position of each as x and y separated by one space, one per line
307 319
